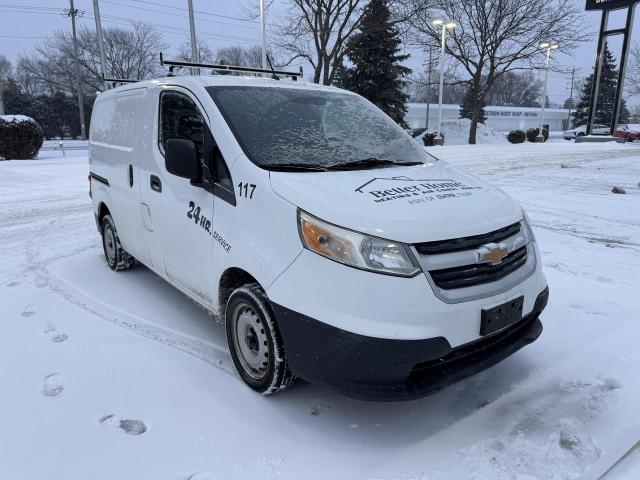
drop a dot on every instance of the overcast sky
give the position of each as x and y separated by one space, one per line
24 23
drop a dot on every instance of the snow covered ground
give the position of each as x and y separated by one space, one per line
117 375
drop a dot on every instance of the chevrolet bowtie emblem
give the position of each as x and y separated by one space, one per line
491 253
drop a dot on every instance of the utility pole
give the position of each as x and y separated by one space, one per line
573 74
429 87
103 66
3 82
264 36
72 13
194 45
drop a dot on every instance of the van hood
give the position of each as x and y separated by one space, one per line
410 204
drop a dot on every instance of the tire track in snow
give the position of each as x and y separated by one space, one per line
205 351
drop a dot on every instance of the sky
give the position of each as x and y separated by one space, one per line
24 23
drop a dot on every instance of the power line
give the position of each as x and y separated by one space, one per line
112 2
196 11
18 36
125 21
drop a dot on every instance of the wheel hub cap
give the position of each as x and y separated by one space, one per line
251 341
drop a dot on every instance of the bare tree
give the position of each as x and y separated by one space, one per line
316 31
5 66
632 75
129 53
205 54
493 37
516 89
242 56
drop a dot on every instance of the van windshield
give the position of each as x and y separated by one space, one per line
313 128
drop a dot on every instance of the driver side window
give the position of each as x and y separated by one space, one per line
181 119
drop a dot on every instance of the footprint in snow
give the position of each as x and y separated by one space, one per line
52 385
128 426
200 476
56 336
28 311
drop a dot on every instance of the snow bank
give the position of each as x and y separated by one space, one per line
16 118
456 132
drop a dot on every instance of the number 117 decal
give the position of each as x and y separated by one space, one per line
246 189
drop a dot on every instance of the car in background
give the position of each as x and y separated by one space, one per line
628 131
581 131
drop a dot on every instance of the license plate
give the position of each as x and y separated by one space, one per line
496 318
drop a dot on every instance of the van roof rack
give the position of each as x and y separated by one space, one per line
116 81
172 64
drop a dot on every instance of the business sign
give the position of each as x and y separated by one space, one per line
608 4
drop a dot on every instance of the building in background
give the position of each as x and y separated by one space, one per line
501 119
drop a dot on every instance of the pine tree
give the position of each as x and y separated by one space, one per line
377 72
466 107
606 94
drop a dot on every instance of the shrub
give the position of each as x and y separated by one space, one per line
20 138
429 137
516 136
416 132
532 133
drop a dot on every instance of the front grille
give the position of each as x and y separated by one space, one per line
467 243
477 274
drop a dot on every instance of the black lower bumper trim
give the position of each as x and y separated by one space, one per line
379 369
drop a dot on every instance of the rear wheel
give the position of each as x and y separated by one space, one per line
117 257
255 342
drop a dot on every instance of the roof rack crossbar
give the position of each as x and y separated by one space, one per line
226 68
119 80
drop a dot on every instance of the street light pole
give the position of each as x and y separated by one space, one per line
429 87
548 46
440 22
264 36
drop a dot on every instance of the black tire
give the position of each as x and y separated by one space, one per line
117 258
255 342
628 138
580 134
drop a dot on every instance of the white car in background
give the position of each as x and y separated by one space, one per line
581 131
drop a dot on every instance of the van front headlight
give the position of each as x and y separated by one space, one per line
355 249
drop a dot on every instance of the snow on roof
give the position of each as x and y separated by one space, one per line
204 81
16 118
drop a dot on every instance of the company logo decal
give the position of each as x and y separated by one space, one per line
414 190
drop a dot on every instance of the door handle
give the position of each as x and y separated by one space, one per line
155 183
130 175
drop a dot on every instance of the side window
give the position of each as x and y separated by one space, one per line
222 176
180 118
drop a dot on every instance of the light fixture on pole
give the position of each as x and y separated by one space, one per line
444 24
548 46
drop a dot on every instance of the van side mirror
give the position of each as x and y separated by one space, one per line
181 158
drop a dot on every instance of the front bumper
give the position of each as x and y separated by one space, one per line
370 368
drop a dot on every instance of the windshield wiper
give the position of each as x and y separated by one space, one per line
294 167
371 162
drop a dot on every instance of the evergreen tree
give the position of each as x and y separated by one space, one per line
377 72
606 94
466 107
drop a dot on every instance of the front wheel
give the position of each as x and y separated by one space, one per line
117 257
255 342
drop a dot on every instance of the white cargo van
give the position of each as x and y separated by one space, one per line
333 246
